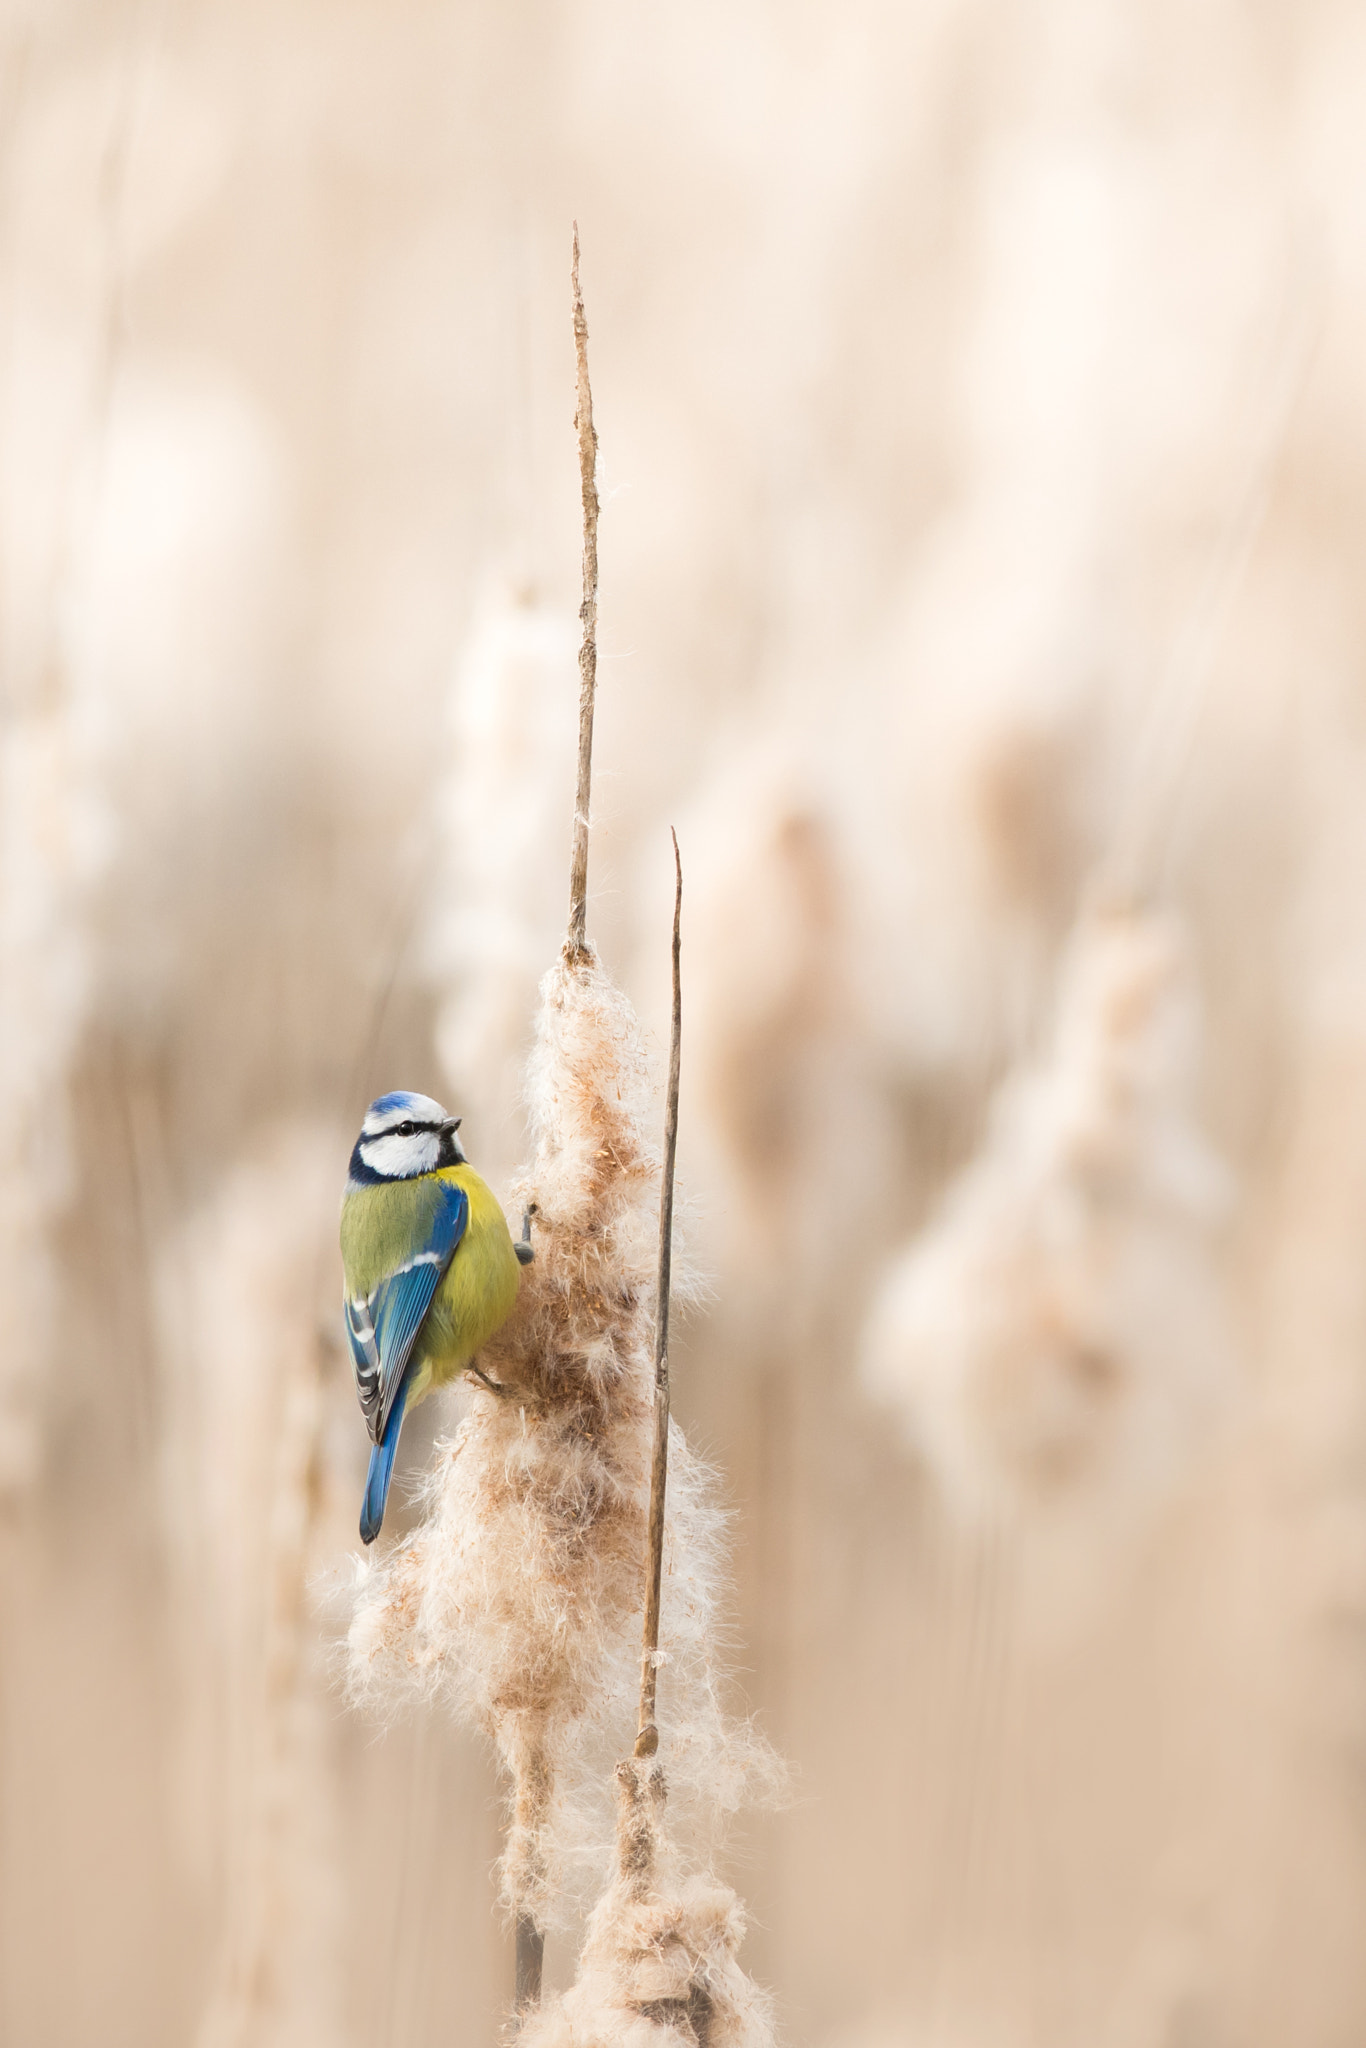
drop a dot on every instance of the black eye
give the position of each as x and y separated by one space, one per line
406 1130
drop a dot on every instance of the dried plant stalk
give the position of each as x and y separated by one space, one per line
647 1737
528 1963
588 615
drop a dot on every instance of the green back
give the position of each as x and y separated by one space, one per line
380 1226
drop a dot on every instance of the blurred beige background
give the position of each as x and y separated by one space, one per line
971 380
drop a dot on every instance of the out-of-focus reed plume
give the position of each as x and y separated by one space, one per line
53 845
660 1964
876 905
498 894
517 1601
1058 1334
1061 1332
766 992
255 1503
107 733
54 824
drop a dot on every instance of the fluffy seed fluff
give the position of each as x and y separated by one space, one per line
659 1966
1059 1335
518 1601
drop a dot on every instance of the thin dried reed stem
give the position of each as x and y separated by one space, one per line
647 1740
576 945
530 1940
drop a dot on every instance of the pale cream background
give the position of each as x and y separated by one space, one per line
934 347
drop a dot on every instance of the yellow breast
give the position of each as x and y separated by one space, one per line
477 1294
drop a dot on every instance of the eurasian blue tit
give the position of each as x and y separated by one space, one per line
430 1268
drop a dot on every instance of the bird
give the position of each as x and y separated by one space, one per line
430 1270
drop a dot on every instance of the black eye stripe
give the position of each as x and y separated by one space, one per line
409 1128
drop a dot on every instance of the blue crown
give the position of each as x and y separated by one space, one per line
398 1098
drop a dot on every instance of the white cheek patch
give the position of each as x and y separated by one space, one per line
395 1158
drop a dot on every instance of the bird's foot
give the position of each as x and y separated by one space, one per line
523 1246
503 1393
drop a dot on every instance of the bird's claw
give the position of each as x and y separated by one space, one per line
503 1393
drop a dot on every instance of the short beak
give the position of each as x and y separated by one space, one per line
453 1123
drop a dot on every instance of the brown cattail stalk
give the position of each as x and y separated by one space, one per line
528 1964
530 1940
576 945
647 1740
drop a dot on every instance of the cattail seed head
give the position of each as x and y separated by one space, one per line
517 1602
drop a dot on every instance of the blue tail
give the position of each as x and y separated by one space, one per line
382 1469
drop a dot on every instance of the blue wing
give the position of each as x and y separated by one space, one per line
383 1325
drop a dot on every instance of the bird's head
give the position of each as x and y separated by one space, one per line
404 1135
